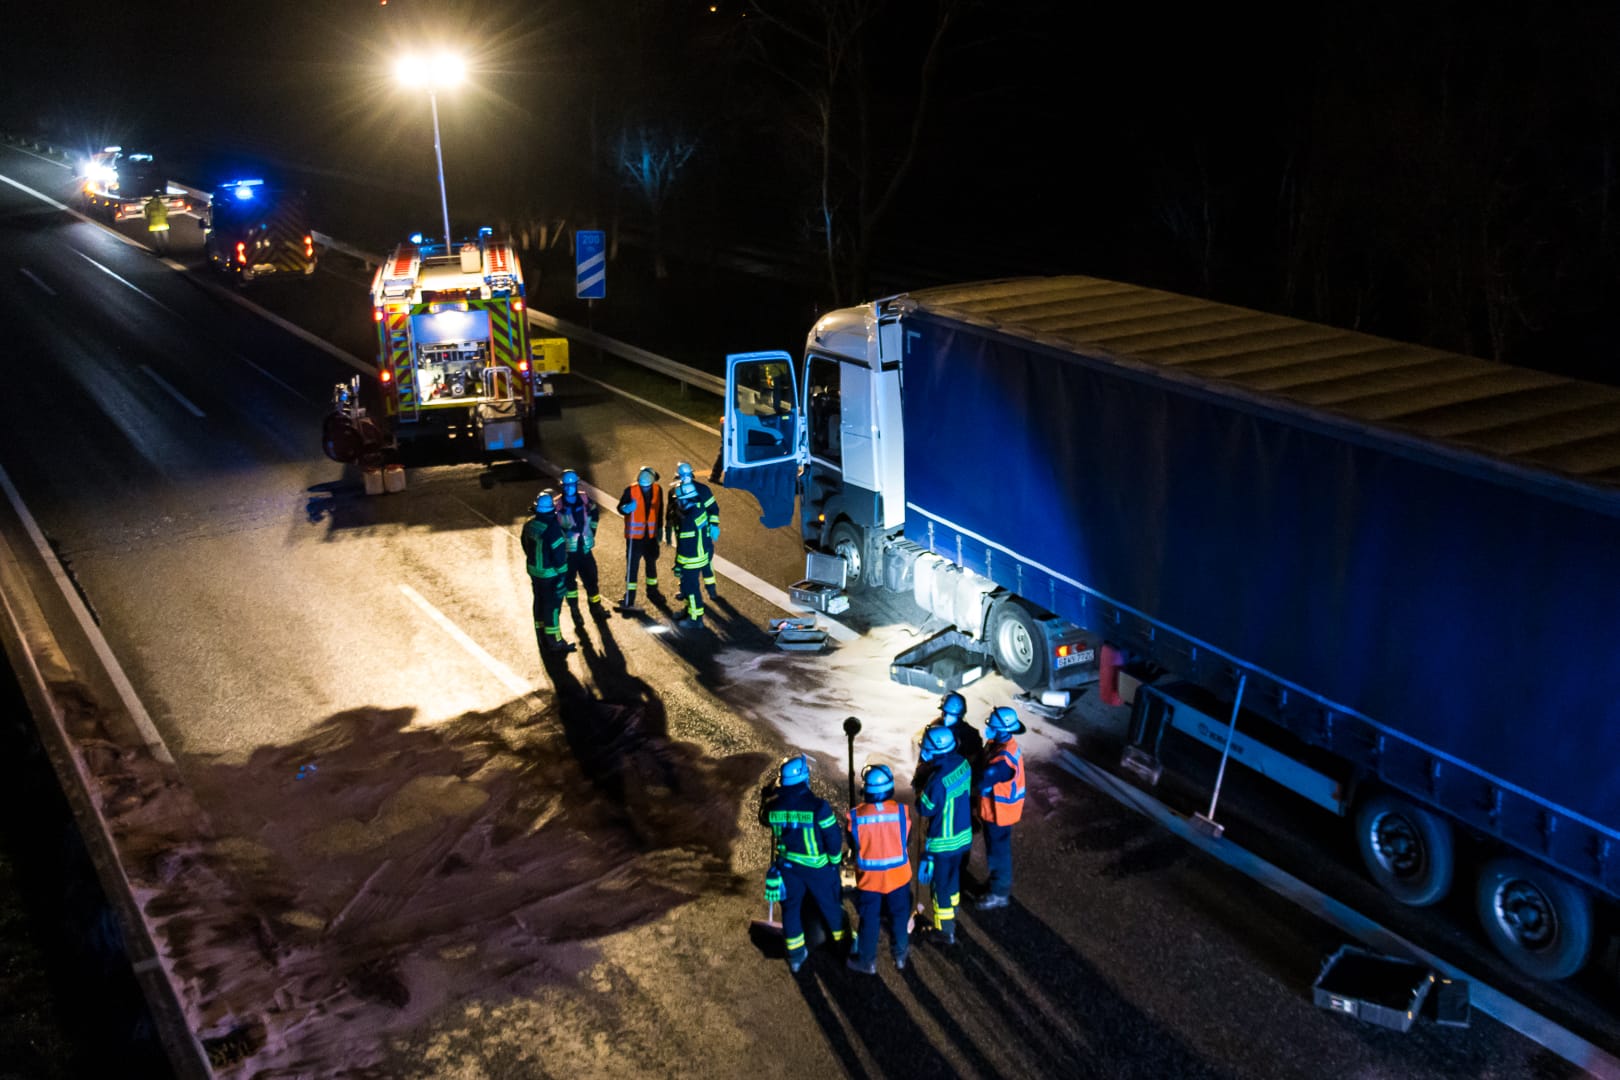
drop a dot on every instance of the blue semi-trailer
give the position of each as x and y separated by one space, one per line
1397 567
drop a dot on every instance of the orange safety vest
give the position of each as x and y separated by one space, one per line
645 520
1005 803
878 833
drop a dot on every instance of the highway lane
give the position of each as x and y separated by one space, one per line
479 870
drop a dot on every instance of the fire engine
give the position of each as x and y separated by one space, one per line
118 184
454 357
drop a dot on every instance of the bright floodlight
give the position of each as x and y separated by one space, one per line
434 72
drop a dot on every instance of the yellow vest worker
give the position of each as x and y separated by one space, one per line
157 215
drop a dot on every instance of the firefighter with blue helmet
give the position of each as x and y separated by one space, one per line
580 516
692 550
703 498
642 506
944 804
879 836
545 554
1000 805
808 843
969 744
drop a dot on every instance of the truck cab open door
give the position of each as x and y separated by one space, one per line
763 438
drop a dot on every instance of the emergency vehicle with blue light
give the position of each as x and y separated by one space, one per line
252 230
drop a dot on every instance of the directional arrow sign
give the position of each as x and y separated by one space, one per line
590 261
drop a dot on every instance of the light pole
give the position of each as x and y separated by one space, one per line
443 70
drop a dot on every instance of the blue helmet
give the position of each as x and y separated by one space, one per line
795 770
646 477
1003 723
953 706
877 781
570 479
683 470
545 502
937 741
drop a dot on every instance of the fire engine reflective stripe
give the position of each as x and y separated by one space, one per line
502 335
397 329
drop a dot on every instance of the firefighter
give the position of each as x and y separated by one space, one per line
944 804
580 516
711 510
157 221
879 834
969 744
691 550
642 505
1001 801
808 843
545 552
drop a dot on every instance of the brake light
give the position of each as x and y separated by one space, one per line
309 247
523 366
241 253
376 314
387 376
517 305
1064 650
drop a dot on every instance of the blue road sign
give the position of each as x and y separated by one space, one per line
590 261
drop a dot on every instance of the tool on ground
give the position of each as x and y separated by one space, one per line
1206 823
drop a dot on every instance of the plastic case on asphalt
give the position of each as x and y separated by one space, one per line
1384 990
823 586
947 661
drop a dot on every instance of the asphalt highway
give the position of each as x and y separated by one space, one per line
460 861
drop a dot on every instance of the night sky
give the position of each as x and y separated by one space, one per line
1436 173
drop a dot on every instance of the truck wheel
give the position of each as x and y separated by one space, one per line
1409 852
1015 642
846 542
1541 923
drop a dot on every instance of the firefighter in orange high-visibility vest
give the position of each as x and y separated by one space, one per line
642 505
1001 801
879 831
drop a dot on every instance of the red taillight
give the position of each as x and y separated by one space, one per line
387 376
523 366
376 315
309 247
241 253
1063 650
517 305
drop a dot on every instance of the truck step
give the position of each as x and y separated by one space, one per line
1142 765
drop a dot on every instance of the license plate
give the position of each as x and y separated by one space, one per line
1084 656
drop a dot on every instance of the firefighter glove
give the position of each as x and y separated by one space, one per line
714 532
925 870
775 888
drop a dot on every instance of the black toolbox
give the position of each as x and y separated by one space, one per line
1384 990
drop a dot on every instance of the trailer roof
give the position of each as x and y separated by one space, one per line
1531 419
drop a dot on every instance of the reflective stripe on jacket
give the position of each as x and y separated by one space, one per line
581 517
878 833
804 828
692 538
1004 771
944 802
645 517
545 546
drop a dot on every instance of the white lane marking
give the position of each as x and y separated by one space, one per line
1532 1025
753 583
650 405
272 378
508 678
98 642
30 275
292 328
172 265
125 281
177 395
25 189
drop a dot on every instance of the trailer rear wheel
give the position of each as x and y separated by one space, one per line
1541 923
1016 644
1409 852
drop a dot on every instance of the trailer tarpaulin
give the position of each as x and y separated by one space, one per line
1475 615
